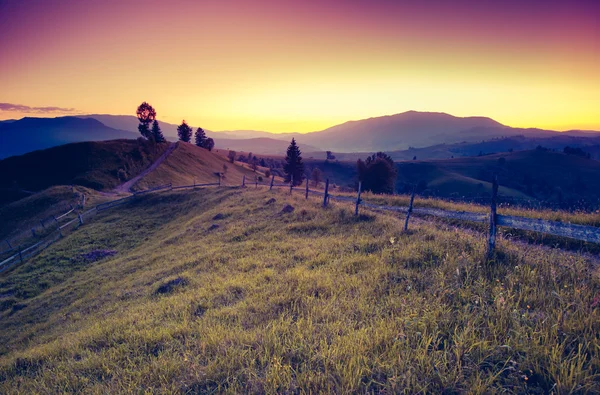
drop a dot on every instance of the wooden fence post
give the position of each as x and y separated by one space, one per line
326 193
244 181
256 182
55 220
358 198
306 196
410 207
33 232
80 219
493 217
272 180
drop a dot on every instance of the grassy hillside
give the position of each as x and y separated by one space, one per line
537 173
218 291
188 162
17 218
97 165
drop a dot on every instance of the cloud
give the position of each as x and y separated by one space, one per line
37 110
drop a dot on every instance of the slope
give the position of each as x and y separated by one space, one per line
98 165
152 297
188 163
30 134
537 173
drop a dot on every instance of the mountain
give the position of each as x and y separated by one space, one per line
263 146
30 134
395 132
130 123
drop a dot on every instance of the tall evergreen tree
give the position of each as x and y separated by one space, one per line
146 115
200 138
157 133
184 132
294 168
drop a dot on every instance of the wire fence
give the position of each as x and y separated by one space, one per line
589 234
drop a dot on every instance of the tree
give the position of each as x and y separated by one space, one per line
267 173
254 165
316 176
184 132
210 144
200 138
231 156
157 133
146 115
294 168
377 173
330 155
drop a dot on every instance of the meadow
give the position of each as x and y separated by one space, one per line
218 290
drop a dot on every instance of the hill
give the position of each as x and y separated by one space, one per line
262 145
97 165
215 291
188 162
558 142
30 134
538 174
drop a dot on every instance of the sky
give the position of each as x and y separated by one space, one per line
303 65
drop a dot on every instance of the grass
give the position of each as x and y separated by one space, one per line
101 165
188 163
312 301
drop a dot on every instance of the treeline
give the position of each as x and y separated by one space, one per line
146 115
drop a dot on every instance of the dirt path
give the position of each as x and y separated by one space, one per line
126 186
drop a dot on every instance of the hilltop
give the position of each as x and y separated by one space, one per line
97 165
188 163
214 290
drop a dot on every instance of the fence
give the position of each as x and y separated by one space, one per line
589 234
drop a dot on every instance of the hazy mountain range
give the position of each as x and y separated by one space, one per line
406 131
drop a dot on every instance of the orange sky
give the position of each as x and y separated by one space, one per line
299 66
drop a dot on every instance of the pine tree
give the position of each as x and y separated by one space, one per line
294 168
184 132
200 138
157 133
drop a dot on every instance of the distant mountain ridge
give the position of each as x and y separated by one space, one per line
411 129
31 134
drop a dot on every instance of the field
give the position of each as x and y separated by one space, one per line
218 290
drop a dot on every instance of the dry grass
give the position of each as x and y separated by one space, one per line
312 301
188 163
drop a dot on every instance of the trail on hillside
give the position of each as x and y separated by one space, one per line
126 186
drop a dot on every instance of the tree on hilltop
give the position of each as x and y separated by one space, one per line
146 115
184 132
294 168
157 133
210 144
200 137
377 173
